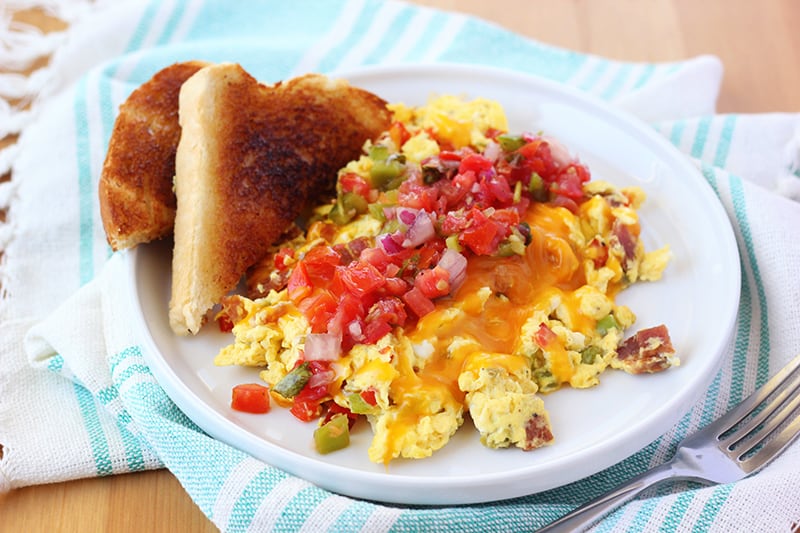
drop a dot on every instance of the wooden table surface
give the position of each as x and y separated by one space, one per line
759 45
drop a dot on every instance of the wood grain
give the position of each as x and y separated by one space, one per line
760 49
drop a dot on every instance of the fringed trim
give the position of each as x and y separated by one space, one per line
22 47
789 183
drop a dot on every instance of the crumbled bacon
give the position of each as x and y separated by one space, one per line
263 277
232 311
352 250
649 350
625 239
537 432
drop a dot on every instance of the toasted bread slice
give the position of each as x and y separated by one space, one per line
137 203
250 157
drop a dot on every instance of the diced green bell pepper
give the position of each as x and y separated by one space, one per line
292 383
333 435
607 323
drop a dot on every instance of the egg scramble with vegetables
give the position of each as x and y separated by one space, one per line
461 271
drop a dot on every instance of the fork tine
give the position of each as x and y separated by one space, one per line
729 421
788 384
775 446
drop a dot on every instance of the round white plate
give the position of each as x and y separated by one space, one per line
697 299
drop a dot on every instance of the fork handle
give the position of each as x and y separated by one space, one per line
592 511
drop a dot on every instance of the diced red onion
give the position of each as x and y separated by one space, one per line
354 329
389 244
561 155
420 231
492 151
321 378
322 347
456 266
406 215
390 213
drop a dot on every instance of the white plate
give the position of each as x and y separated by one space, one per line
697 299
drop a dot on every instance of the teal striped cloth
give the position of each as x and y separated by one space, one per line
74 367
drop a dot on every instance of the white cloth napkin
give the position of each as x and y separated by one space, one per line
77 398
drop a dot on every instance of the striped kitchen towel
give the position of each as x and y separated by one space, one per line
77 398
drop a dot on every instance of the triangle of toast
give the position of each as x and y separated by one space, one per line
250 157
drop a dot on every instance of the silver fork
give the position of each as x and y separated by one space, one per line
729 449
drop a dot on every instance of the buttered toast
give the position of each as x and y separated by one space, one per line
250 157
137 203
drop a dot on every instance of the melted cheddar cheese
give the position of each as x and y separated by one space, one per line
520 324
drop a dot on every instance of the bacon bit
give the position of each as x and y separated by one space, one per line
625 239
649 350
544 336
269 273
232 312
352 250
537 433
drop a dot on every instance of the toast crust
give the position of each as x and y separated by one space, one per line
137 203
250 158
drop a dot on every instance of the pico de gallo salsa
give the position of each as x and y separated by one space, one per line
432 195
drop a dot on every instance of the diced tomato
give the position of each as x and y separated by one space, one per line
483 235
544 335
454 222
250 398
377 258
310 394
306 405
449 155
433 282
538 158
429 254
384 314
419 304
475 163
319 308
375 331
352 182
361 278
507 217
395 286
319 367
399 134
332 409
465 180
597 252
498 189
320 264
349 309
417 195
299 285
533 149
451 194
281 258
389 310
570 182
305 410
369 396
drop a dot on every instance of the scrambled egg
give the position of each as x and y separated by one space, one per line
521 324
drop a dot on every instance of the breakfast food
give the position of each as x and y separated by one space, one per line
460 271
137 203
250 157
